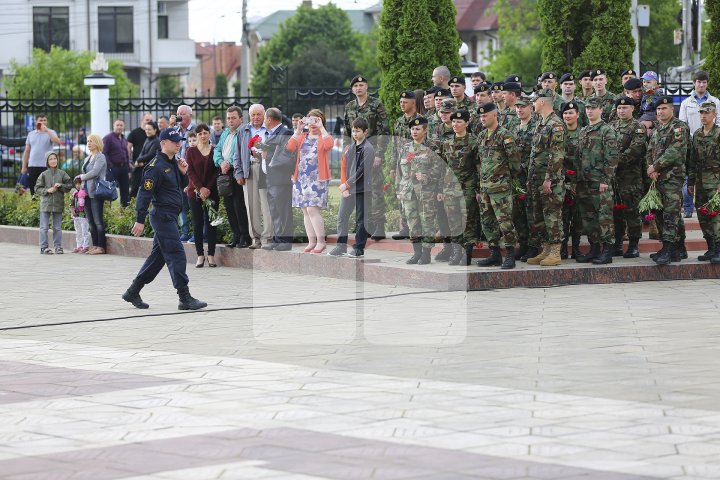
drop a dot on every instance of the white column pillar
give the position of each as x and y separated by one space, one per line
100 102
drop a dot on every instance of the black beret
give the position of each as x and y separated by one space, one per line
665 100
583 74
457 80
596 72
418 121
431 90
623 100
569 106
442 92
511 87
497 86
487 108
628 72
357 79
409 94
461 115
513 78
567 77
482 87
548 75
633 84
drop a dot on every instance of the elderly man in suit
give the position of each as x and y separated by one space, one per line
279 165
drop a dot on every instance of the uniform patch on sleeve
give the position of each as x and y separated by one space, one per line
508 140
639 130
557 129
148 184
678 130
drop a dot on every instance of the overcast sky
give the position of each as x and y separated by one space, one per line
208 24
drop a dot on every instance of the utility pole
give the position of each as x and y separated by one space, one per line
244 53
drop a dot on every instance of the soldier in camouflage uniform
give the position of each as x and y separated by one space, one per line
567 93
633 90
529 240
572 223
483 95
496 92
548 81
440 95
372 110
508 117
429 102
596 169
546 180
666 156
460 187
627 75
599 79
499 164
443 131
704 176
457 90
628 187
418 185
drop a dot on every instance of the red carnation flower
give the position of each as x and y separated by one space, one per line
521 197
386 186
649 217
572 173
410 157
254 141
620 206
714 213
703 211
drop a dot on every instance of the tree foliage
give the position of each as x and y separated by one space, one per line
567 29
169 87
712 46
365 57
656 41
221 87
61 73
447 39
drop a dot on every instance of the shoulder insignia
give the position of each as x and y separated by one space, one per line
557 129
148 184
152 162
167 170
678 130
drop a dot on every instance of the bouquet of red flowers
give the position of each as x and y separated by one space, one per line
410 157
254 141
712 207
620 206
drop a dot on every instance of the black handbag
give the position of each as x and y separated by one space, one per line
224 185
106 190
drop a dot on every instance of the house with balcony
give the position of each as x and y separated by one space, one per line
478 27
150 37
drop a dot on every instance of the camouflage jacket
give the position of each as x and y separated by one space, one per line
461 159
558 102
572 155
378 128
468 104
632 145
668 150
608 104
433 121
523 141
598 153
499 160
418 158
547 156
508 118
614 118
704 162
401 134
439 134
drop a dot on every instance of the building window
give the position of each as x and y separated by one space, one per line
163 26
115 29
51 26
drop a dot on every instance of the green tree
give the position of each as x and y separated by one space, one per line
169 87
566 26
712 49
447 39
60 73
221 89
297 37
365 57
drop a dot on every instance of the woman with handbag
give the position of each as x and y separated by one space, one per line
93 169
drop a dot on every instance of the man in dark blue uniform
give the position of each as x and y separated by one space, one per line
161 185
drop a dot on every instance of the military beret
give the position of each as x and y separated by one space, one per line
461 115
487 108
567 77
483 87
569 106
358 79
665 100
523 101
633 84
548 76
431 90
596 72
628 72
448 105
497 86
594 102
418 121
511 87
442 92
513 78
707 107
545 93
410 94
583 74
457 80
623 100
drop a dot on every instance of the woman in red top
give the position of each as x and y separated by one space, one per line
203 185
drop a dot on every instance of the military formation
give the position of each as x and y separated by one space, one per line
531 173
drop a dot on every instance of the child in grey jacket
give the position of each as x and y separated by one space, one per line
51 186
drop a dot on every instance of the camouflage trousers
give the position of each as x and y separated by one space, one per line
628 191
710 225
496 215
572 222
376 216
421 215
546 208
463 216
596 211
669 221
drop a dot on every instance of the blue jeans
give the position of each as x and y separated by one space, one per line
688 206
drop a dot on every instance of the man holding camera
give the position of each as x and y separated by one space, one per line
38 143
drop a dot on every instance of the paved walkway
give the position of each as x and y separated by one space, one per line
299 377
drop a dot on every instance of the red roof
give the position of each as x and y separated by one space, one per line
475 15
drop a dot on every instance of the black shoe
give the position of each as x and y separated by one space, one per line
494 260
339 250
356 253
575 247
509 261
187 302
662 257
531 252
716 255
403 234
269 246
606 256
591 255
468 254
132 295
232 244
244 244
521 251
417 248
688 215
444 254
424 256
457 254
378 235
705 257
564 249
676 252
618 247
632 251
283 247
683 250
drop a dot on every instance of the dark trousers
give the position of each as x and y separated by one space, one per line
119 173
280 203
198 214
135 181
167 250
33 174
237 213
360 203
94 211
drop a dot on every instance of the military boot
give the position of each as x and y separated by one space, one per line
509 261
521 251
716 254
457 254
529 253
417 248
676 253
683 249
564 248
187 302
540 256
468 254
618 247
607 254
575 246
591 255
705 257
444 254
494 260
553 257
632 251
662 257
132 295
424 256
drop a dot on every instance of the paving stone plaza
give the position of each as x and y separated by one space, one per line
288 376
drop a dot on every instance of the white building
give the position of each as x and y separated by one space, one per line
150 37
